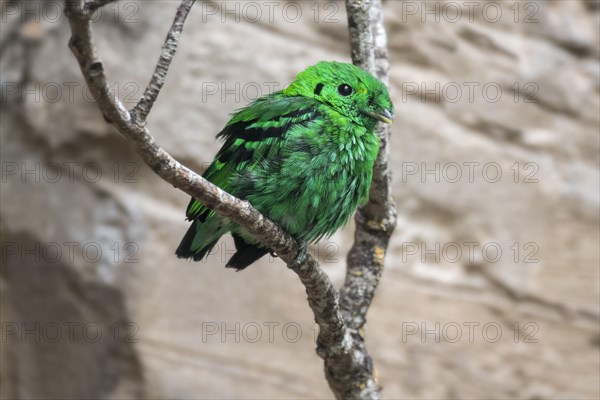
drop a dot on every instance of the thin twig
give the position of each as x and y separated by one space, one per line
143 107
93 5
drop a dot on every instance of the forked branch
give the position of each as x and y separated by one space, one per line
347 364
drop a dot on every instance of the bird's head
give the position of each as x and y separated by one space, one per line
347 89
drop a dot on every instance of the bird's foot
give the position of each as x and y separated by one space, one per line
301 256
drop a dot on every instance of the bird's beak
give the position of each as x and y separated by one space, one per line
385 116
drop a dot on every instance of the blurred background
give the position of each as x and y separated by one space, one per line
491 287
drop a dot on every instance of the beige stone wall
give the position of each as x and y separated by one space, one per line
492 281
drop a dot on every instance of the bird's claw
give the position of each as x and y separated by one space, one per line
300 257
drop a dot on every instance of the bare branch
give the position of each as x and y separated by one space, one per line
346 362
348 366
143 107
375 221
380 43
361 35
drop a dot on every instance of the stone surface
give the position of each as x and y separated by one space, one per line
492 281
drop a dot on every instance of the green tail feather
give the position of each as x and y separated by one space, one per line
199 239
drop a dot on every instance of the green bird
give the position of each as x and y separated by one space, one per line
302 156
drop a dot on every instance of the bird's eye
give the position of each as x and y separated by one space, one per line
345 90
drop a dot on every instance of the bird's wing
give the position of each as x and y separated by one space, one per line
249 137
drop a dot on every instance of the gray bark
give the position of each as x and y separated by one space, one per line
348 367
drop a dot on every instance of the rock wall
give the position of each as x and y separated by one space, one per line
492 280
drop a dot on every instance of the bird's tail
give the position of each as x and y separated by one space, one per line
246 253
199 239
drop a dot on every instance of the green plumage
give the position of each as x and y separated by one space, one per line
302 156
